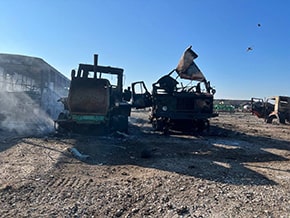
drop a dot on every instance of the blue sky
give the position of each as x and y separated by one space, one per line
147 38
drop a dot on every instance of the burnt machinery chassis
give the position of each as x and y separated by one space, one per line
95 104
175 105
165 124
181 112
65 124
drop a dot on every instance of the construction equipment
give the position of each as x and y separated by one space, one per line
277 107
173 105
222 107
93 103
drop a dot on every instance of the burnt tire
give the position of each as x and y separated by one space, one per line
157 125
282 119
202 125
270 119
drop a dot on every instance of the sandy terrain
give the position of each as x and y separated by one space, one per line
240 169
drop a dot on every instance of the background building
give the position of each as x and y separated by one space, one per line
29 92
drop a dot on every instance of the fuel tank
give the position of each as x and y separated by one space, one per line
89 96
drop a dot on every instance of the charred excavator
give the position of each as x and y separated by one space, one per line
93 103
175 106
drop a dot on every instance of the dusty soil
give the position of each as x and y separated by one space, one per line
240 169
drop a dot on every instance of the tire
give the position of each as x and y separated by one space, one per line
282 119
201 126
270 119
157 124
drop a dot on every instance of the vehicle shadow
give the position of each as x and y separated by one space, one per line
222 156
8 139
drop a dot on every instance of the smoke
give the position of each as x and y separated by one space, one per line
21 113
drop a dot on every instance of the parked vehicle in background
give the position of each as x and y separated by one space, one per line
277 107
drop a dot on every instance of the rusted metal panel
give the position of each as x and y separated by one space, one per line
89 96
186 67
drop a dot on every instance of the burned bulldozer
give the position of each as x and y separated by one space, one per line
94 104
175 106
274 108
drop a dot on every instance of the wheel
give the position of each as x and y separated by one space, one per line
270 119
166 126
157 124
201 125
282 119
166 129
120 123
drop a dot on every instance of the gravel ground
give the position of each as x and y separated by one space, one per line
240 169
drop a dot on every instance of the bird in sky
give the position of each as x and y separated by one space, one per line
249 49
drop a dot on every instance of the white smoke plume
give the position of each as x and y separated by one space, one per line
22 114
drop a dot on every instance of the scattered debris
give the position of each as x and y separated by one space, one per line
78 155
122 134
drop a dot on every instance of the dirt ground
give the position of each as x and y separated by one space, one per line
240 169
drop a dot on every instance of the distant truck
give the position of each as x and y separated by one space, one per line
273 108
94 103
175 106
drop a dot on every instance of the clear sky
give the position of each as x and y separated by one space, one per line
147 37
